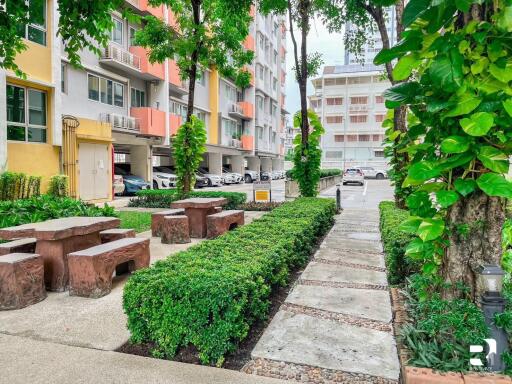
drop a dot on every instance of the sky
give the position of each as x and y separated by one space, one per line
319 40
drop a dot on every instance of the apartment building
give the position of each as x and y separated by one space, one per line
121 110
349 100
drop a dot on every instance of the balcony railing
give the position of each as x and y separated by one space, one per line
125 123
121 56
236 143
358 107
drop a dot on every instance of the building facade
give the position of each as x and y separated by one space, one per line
121 110
348 98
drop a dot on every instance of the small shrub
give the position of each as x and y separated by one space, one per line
395 242
14 186
323 173
59 186
254 206
162 198
209 295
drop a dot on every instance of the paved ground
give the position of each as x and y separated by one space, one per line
335 325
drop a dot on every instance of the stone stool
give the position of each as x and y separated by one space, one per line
21 280
26 245
175 230
157 219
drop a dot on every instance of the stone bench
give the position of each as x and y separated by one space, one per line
91 270
221 222
21 280
157 219
175 230
115 234
27 245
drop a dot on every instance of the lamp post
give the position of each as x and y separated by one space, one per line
338 198
492 302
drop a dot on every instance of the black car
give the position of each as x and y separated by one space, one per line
201 181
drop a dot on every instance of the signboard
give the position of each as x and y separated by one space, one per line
262 191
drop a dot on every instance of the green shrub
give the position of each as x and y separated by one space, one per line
59 186
323 173
14 186
162 198
264 206
395 242
45 207
209 295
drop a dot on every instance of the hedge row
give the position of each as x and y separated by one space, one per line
395 241
323 173
162 198
209 295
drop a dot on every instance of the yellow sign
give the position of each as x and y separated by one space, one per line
261 196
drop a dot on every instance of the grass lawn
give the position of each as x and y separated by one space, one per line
140 221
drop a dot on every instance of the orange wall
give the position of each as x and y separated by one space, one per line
151 121
156 69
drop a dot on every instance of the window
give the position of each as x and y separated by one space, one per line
274 84
359 100
329 82
105 91
260 103
339 138
364 137
138 98
379 153
262 73
260 133
334 119
274 109
359 80
200 115
352 138
131 32
201 78
117 32
63 77
334 100
232 129
377 138
275 56
379 99
334 154
23 102
178 109
379 118
35 30
230 92
358 119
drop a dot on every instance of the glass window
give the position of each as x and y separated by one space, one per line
15 104
117 32
36 107
106 91
63 76
132 31
138 98
94 88
36 29
118 95
19 101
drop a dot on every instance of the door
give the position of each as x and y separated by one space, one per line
94 171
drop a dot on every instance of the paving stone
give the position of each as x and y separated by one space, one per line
340 241
354 257
363 303
342 274
302 339
355 235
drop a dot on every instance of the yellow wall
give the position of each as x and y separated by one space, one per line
214 107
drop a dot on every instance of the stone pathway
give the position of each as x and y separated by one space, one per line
335 326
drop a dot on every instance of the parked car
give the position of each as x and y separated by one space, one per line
353 175
201 181
265 176
213 180
163 178
372 173
276 175
251 176
231 177
118 185
132 183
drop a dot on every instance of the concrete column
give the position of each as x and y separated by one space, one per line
253 163
237 164
3 122
277 164
140 160
215 163
266 164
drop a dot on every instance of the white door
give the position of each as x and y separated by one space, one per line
94 166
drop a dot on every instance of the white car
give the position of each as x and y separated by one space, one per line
353 175
213 180
163 178
231 177
372 173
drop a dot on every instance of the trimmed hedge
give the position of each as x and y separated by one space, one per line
323 173
395 242
209 295
162 198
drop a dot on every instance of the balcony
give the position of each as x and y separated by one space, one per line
151 121
358 108
243 110
174 123
247 142
120 123
148 71
142 7
117 57
176 84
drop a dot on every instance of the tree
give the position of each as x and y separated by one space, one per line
207 33
370 15
462 140
83 24
300 13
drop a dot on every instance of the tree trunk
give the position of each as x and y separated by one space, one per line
475 230
304 21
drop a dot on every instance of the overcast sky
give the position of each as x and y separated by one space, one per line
319 40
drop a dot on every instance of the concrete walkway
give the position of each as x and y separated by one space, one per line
335 325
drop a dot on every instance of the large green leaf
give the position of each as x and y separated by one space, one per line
503 74
410 43
446 71
413 10
465 186
411 225
455 144
463 5
507 104
478 124
423 170
405 66
446 198
504 20
494 159
495 185
404 92
430 229
455 161
464 105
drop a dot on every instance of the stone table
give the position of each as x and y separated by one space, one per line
59 237
196 209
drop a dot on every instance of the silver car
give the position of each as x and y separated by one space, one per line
353 176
